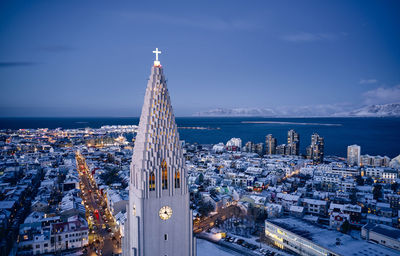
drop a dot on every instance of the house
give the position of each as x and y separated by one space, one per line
296 211
39 205
287 200
273 210
315 207
382 234
339 212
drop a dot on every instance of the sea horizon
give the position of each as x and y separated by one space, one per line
375 135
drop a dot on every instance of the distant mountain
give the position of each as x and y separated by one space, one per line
237 112
385 110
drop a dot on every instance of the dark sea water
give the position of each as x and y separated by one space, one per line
376 136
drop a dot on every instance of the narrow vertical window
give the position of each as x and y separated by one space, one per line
165 237
164 175
152 181
177 179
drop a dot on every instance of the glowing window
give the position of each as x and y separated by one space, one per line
177 179
164 175
152 182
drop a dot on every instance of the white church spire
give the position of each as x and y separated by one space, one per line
159 218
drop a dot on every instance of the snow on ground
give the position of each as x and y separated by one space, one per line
206 248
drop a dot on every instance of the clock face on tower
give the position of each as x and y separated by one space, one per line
165 212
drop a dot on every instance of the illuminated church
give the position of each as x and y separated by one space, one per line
159 219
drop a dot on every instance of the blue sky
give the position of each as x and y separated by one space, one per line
93 58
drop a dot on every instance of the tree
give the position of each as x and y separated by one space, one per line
359 180
205 207
345 228
394 186
353 196
201 178
377 191
369 181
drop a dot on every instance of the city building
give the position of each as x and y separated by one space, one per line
382 234
158 190
259 149
293 142
249 147
41 235
282 149
387 175
304 238
234 144
270 145
375 161
316 150
353 155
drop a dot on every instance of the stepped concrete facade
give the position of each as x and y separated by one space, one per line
159 219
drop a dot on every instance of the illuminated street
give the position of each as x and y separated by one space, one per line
222 215
104 237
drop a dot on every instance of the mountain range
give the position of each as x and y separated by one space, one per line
382 110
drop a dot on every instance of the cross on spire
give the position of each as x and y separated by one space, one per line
157 62
157 52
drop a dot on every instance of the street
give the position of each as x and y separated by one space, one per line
222 214
104 236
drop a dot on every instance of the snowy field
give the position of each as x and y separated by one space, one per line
206 248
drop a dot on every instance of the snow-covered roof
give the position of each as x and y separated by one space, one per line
295 208
314 201
329 238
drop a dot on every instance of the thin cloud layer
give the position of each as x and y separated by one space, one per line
382 95
209 23
368 81
309 37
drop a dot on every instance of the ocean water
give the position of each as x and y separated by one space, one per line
376 136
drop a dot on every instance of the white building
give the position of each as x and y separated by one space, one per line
287 200
306 239
353 155
159 218
234 144
49 235
382 234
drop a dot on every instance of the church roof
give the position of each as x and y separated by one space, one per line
157 140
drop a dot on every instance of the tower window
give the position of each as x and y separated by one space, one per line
177 179
164 175
165 237
152 181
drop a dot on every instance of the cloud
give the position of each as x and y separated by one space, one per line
309 37
382 95
368 81
209 23
11 64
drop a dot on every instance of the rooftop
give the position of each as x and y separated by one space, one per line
328 238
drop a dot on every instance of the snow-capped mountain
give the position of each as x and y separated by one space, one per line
238 112
384 110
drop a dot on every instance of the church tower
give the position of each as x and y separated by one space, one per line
159 219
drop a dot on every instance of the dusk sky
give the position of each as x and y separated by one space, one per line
93 58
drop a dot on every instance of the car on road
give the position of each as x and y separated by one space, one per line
239 241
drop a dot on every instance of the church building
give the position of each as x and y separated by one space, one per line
159 219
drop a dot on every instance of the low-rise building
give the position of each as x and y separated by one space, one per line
315 207
382 234
304 238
